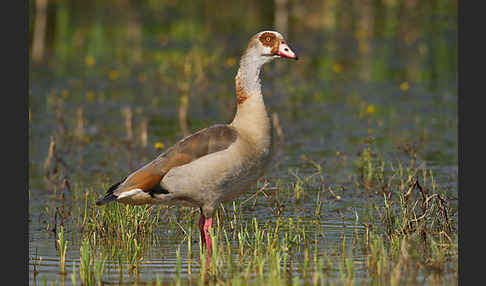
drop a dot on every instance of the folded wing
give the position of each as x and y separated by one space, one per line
145 181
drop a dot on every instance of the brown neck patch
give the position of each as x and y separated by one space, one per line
270 40
241 94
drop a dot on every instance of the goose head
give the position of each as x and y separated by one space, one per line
269 45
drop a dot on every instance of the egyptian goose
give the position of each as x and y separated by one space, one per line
218 163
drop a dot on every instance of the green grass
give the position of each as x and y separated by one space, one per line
404 233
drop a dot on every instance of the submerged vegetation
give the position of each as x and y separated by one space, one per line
405 233
363 188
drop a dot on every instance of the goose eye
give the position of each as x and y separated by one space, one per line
268 39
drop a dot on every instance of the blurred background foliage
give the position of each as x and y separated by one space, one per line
382 67
325 32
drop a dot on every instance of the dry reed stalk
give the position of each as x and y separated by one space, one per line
50 164
144 132
184 104
39 30
184 98
79 124
65 186
281 16
128 114
60 120
278 128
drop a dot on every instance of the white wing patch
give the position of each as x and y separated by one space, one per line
130 193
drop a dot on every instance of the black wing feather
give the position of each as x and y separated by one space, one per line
109 196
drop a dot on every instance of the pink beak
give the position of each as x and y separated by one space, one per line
286 52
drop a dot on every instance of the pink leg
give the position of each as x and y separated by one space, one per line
201 228
209 246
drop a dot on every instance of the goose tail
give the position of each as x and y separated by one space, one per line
109 195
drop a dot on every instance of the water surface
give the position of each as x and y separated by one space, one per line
385 72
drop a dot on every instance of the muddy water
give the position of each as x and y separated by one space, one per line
388 75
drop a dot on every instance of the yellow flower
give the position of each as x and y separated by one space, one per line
364 48
65 93
230 62
159 145
89 61
86 139
337 68
142 77
90 96
114 75
370 109
404 86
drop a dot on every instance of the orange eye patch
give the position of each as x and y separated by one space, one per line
267 39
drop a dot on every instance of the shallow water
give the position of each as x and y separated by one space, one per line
386 72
